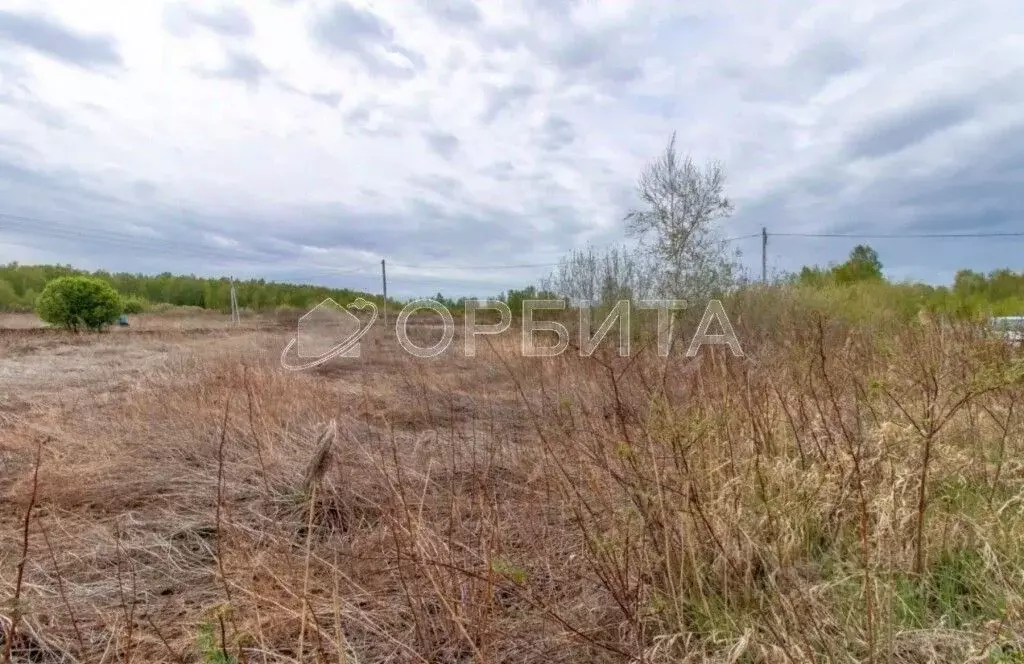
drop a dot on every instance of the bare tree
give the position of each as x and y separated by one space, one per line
681 202
588 276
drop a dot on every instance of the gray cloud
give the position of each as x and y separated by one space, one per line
241 67
331 99
662 106
557 133
417 60
502 98
66 212
50 38
348 31
803 74
442 143
426 232
462 13
558 9
826 59
605 57
181 19
360 119
908 128
588 55
976 193
144 189
12 172
580 57
16 93
447 187
345 28
501 170
358 116
25 187
801 158
37 110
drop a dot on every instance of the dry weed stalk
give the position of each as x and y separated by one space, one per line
573 509
10 624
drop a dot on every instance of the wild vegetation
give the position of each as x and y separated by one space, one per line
20 286
844 492
849 489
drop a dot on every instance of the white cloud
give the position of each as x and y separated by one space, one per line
460 133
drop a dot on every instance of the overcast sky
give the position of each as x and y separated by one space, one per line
308 139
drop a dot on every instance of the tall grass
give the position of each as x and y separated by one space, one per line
848 491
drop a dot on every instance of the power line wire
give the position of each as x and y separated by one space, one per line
62 230
471 267
31 226
23 225
880 236
58 230
523 265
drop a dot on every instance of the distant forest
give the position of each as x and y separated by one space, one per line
855 285
20 285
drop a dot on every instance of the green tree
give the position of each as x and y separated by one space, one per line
814 276
79 302
863 265
133 304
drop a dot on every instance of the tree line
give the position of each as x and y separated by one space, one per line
21 285
674 249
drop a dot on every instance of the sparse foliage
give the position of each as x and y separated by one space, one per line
681 201
589 276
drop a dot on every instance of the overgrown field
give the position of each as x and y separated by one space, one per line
843 493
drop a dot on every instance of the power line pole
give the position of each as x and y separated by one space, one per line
384 278
235 317
764 255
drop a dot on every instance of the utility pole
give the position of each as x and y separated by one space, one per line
384 278
235 317
764 255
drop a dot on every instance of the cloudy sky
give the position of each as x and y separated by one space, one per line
308 139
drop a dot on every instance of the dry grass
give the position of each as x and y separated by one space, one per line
191 319
208 506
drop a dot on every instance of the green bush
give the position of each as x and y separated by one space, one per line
79 302
9 299
133 304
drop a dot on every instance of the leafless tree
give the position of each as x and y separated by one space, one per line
589 276
680 203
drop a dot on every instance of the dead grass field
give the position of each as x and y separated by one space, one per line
193 502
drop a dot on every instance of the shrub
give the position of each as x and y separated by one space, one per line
9 299
79 302
161 307
133 304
